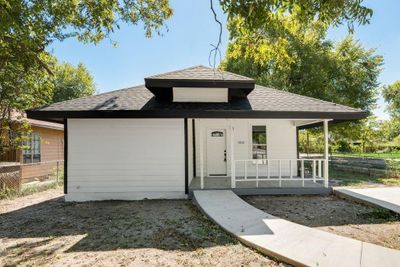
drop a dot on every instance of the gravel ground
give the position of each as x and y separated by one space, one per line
335 215
41 229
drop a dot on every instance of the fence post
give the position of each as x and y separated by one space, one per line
314 171
58 165
319 169
302 172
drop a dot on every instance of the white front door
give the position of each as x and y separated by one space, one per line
216 152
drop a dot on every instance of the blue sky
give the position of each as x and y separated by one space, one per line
187 43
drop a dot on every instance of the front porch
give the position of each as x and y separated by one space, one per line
267 177
254 157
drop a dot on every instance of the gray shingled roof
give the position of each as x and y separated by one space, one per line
260 99
200 73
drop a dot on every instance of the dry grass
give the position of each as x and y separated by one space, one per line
41 229
346 178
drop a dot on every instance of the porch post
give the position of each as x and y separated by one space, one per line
233 174
326 154
201 156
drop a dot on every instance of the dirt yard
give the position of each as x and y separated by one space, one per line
335 215
41 229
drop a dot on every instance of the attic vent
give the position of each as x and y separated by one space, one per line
198 94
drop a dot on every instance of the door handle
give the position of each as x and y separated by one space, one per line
225 155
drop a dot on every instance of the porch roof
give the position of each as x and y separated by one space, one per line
139 102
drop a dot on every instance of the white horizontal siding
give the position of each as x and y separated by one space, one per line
125 159
281 143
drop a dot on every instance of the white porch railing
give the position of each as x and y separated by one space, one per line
272 171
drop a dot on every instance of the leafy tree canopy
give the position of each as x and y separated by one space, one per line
29 75
72 82
283 44
28 27
260 14
303 61
391 94
36 88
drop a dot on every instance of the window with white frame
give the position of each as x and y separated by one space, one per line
32 151
259 141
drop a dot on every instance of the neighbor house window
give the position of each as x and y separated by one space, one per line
259 142
31 153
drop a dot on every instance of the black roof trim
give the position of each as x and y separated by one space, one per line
168 83
239 114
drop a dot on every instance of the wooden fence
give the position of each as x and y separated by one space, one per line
13 175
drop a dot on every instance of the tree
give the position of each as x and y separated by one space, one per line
391 93
20 89
369 133
303 61
258 14
70 82
283 44
27 28
267 24
391 129
66 82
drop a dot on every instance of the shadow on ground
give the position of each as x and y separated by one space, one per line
111 225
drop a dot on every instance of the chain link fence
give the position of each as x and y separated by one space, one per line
14 175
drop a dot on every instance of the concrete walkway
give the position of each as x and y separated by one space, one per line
290 242
385 197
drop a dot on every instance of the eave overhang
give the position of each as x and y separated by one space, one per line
59 116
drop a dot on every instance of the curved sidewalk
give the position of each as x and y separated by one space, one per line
290 242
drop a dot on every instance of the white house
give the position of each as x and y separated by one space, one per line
196 128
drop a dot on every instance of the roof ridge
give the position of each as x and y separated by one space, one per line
220 71
174 71
309 97
238 75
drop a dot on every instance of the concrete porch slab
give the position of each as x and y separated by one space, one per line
290 242
384 197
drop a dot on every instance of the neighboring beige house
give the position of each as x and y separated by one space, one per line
44 153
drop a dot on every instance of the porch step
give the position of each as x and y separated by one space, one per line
289 242
283 191
273 191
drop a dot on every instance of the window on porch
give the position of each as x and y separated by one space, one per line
259 141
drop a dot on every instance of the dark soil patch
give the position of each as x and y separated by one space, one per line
336 215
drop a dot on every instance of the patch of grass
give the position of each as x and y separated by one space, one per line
392 155
8 193
347 178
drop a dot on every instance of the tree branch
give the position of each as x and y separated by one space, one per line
216 48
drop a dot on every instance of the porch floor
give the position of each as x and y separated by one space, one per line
264 187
